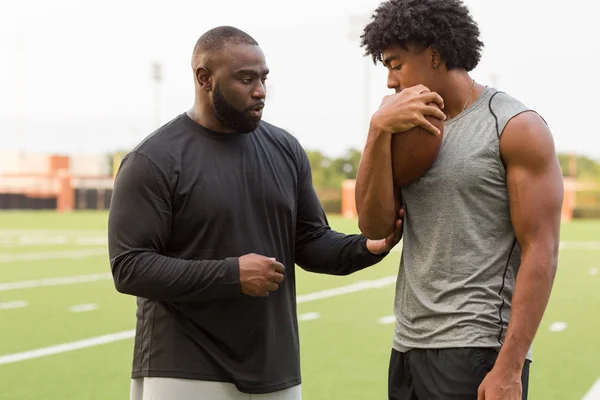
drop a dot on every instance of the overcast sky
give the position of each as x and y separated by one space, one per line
75 75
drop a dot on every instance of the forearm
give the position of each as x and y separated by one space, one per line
530 298
153 276
334 253
375 201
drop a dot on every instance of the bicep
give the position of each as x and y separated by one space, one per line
534 181
140 211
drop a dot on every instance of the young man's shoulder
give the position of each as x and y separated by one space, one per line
501 101
505 107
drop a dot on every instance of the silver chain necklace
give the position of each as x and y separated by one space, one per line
469 96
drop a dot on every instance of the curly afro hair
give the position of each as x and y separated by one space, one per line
445 25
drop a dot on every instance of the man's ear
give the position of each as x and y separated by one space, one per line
204 78
436 58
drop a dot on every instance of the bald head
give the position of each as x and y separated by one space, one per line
217 39
230 72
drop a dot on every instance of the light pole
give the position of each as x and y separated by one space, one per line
20 81
156 79
356 24
494 78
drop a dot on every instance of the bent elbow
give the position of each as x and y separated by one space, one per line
122 277
376 222
373 231
121 285
123 288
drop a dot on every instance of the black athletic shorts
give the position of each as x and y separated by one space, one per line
444 374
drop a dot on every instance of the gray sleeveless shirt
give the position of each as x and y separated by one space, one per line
460 256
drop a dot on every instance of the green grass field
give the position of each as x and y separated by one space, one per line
344 347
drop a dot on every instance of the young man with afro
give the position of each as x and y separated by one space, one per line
481 227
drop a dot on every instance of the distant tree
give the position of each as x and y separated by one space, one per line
347 165
115 156
584 167
319 164
328 173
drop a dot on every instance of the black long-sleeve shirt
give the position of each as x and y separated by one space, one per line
187 203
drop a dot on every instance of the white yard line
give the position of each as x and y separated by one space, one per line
50 232
65 280
79 308
558 326
58 241
34 241
92 241
13 304
580 245
355 287
309 316
48 255
388 319
114 337
594 392
65 347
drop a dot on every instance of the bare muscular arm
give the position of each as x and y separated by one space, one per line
535 189
377 201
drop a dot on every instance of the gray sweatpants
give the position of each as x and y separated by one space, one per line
187 389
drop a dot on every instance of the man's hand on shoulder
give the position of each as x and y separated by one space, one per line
381 246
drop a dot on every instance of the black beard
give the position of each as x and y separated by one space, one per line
230 116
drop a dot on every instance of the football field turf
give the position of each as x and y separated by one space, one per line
65 333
